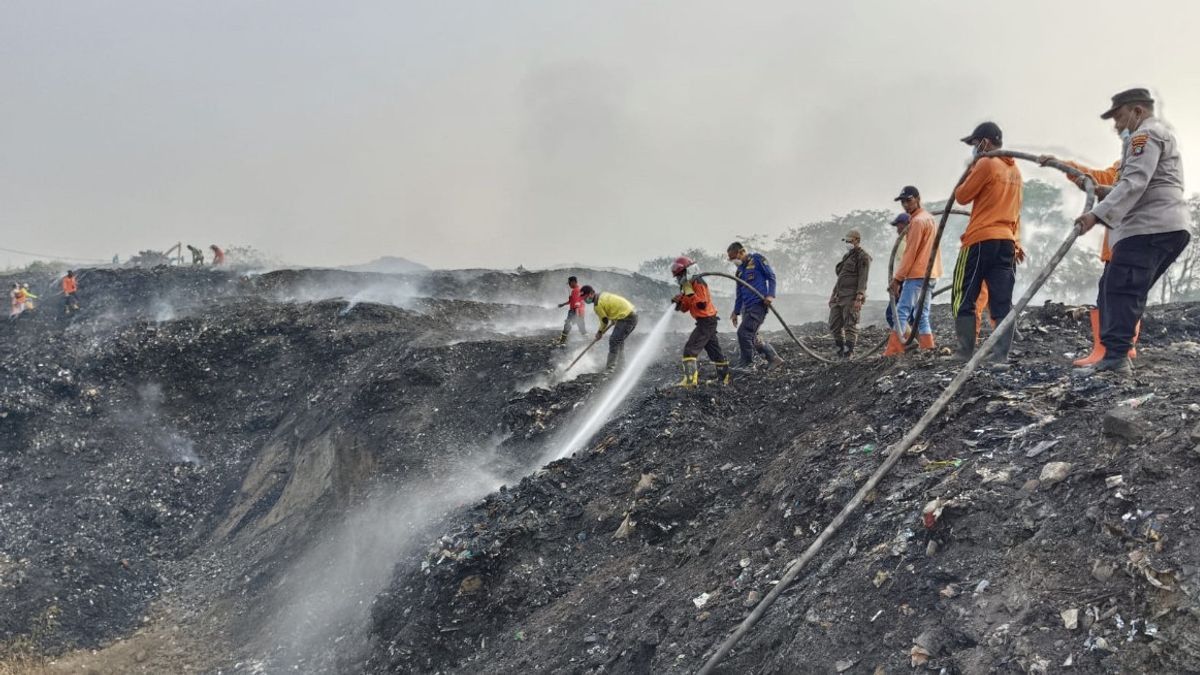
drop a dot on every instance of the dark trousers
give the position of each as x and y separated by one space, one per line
747 334
616 344
704 336
843 323
576 318
1100 290
1136 265
992 261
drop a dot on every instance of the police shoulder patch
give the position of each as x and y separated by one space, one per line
1137 144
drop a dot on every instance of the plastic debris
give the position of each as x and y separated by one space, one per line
1070 618
1054 472
701 600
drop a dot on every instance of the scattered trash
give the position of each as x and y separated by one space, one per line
1070 618
1136 401
1114 481
646 482
752 599
881 578
943 464
931 512
844 665
1163 579
949 591
982 586
1040 448
867 449
1054 472
1102 571
701 600
626 527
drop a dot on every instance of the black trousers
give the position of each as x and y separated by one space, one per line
747 334
992 261
616 344
704 336
1136 265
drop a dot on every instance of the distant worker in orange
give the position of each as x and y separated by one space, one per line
70 286
17 298
218 255
909 278
694 298
989 252
1107 178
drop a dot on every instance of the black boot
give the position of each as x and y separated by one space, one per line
849 351
964 328
841 349
1003 345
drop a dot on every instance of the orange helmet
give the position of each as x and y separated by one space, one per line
680 265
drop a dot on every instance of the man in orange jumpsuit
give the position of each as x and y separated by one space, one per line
694 298
993 187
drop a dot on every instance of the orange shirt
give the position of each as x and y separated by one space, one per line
1107 176
918 243
695 298
69 285
994 189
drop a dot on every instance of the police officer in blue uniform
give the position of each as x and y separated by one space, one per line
752 309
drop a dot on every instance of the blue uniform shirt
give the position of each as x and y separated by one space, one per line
758 273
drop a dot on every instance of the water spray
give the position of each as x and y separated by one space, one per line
616 392
590 345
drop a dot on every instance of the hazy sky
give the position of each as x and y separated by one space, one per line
498 133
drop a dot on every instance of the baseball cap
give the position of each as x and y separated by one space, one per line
1138 95
907 192
902 219
853 234
987 131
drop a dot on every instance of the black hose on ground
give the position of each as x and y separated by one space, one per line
806 348
897 451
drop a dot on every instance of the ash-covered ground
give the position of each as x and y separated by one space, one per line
323 471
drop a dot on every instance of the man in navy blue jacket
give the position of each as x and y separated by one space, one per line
750 307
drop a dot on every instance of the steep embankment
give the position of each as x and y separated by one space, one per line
641 553
176 452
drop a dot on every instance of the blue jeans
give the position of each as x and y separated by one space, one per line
906 305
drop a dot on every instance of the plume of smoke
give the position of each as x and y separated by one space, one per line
146 421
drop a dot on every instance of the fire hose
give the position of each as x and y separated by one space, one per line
939 405
808 350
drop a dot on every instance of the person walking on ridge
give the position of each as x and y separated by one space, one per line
849 294
750 307
574 304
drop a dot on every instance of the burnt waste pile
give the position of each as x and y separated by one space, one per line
326 471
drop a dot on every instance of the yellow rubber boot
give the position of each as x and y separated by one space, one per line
691 372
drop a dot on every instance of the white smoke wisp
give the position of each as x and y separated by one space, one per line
326 598
601 408
146 420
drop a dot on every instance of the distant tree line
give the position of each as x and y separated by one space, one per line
805 255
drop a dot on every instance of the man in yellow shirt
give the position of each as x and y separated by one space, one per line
615 310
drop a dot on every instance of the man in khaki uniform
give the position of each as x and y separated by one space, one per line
849 294
1148 219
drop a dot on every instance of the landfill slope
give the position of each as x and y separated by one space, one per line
323 471
171 451
1066 536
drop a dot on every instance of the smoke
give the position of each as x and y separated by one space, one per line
326 598
145 420
611 397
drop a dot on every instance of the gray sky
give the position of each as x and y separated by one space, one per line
496 133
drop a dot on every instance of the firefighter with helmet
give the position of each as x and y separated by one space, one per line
695 299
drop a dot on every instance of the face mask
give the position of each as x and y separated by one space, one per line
850 245
739 262
975 150
590 300
1125 134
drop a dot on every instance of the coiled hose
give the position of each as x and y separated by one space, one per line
897 451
